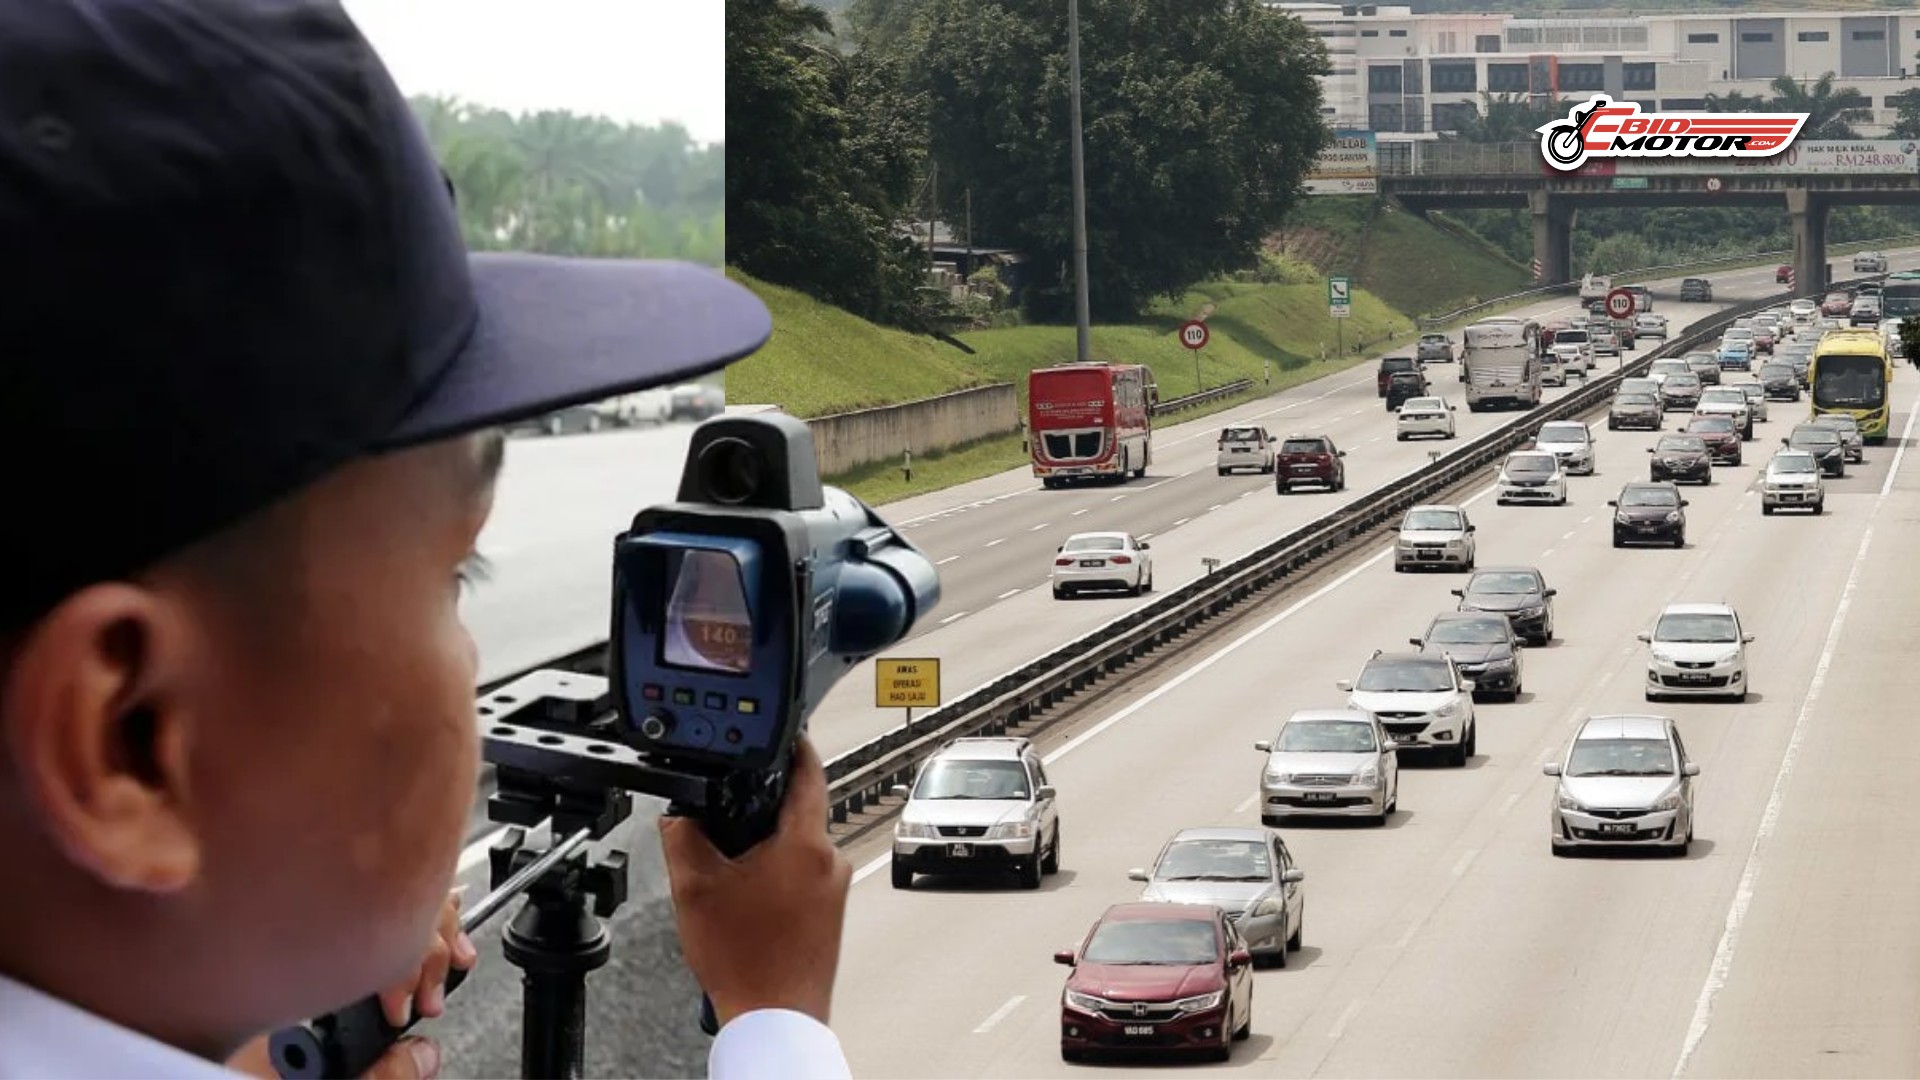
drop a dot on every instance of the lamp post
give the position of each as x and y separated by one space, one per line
1083 325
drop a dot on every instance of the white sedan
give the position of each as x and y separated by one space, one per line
1425 416
1102 560
1650 325
1531 476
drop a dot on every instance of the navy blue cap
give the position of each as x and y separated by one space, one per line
229 264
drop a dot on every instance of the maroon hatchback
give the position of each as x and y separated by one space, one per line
1157 978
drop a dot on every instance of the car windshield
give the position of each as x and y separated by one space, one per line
1096 543
1738 333
1326 736
1776 371
1570 337
1439 520
1839 420
1728 394
1669 367
1529 464
1185 942
1397 364
1468 632
1433 339
1500 583
1408 676
1793 463
1217 860
1681 445
953 779
1634 399
1302 446
1689 381
1716 424
1620 757
1428 403
1702 629
1648 496
1813 436
1563 433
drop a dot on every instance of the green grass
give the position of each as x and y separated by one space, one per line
1416 266
884 482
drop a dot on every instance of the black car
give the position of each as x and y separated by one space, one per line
1721 437
1649 513
1824 443
1484 647
1680 392
1518 592
1779 382
1394 365
1403 385
1696 290
1681 457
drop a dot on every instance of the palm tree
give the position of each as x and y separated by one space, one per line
1831 113
1508 118
1737 101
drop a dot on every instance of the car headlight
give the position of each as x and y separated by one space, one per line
1201 1002
1500 663
1671 802
1567 802
913 830
1274 776
1727 658
1369 774
1086 1003
1448 709
1662 656
1622 519
1264 907
1537 609
1012 830
1673 518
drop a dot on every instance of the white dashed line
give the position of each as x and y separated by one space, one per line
1406 939
1246 804
1507 806
1146 536
952 617
1346 1017
946 560
1460 868
1116 498
1570 534
996 543
1216 506
1181 522
1077 513
999 1014
1008 593
1546 553
1040 526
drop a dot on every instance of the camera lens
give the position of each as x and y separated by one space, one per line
731 470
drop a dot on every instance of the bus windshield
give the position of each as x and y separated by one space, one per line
1900 299
1849 381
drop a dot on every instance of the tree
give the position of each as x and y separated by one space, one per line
1907 106
1507 118
1201 120
823 150
1831 113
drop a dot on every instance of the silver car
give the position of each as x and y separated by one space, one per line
1637 410
1330 762
1626 780
1850 437
1793 479
1756 399
980 806
1247 873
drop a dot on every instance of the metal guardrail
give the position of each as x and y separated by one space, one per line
859 776
1237 386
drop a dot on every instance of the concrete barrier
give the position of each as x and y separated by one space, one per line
849 440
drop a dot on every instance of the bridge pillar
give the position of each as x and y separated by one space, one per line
1552 236
1807 212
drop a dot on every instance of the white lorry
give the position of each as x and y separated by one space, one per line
1501 361
1594 287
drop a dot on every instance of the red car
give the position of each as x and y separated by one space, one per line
1309 459
1722 438
1763 338
1783 274
1837 303
1162 978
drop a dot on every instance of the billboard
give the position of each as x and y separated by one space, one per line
1864 157
1350 165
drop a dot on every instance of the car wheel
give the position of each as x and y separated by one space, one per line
902 877
1244 1031
1399 567
1680 542
1558 851
1030 872
1059 593
1051 864
1400 436
1617 542
1819 508
1148 587
1270 821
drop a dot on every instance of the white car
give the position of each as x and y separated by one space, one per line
1531 476
1102 560
1425 416
982 805
1244 446
1672 365
1554 367
1650 325
1437 535
1756 399
1890 335
1625 780
1572 442
1804 311
1727 401
1793 479
1422 701
1697 650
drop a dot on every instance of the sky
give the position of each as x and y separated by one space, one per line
639 61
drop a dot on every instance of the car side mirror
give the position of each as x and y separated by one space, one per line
1144 546
1613 502
1551 593
1746 637
1684 502
1473 528
899 791
1137 874
1644 637
1784 442
1238 959
1293 877
1344 684
1064 956
1063 547
1551 768
1691 768
1047 791
1462 593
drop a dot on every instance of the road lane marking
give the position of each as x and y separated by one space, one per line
1077 513
1346 1017
1570 534
1546 553
1144 536
1466 860
1244 494
1216 506
996 543
1181 522
1116 498
1406 939
1769 818
1247 803
955 615
1507 807
1009 592
1000 1014
1583 521
1040 526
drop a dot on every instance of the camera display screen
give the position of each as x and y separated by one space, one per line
708 624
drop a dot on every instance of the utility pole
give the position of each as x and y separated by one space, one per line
933 211
1083 320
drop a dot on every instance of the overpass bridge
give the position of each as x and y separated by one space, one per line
1453 175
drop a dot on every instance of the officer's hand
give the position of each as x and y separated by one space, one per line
763 931
412 1058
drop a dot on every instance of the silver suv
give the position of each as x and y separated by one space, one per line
1422 701
981 805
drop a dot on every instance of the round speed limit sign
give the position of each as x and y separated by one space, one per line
1194 334
1620 304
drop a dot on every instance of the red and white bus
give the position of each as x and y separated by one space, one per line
1088 420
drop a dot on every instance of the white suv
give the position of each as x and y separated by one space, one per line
1244 446
981 805
1697 650
1437 535
1422 701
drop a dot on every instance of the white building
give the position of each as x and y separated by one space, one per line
1407 75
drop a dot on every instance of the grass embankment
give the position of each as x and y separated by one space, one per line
822 360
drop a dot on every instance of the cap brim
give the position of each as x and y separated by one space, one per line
554 332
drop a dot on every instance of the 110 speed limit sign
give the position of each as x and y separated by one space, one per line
1194 334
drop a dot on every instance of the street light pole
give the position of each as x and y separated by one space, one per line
1082 317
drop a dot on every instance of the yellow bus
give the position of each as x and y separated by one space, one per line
1850 373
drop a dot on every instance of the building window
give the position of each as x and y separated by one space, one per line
1384 117
1869 35
1637 76
1369 33
1633 35
1486 43
1507 78
1454 79
1384 79
1522 35
1455 116
1396 33
1685 104
1703 39
1813 35
1583 77
1759 37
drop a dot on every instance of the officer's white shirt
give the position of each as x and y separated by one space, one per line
43 1038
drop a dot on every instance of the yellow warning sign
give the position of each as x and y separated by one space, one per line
906 684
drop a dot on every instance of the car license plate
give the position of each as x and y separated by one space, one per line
1688 677
960 851
1137 1029
1319 796
1427 554
1093 562
1618 827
